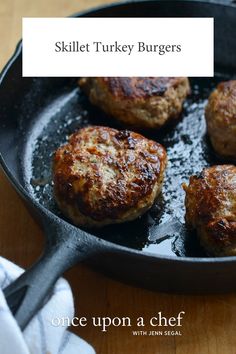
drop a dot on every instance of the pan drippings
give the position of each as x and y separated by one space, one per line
188 152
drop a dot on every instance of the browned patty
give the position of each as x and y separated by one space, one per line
211 209
221 119
105 176
148 102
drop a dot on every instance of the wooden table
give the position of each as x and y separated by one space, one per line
210 321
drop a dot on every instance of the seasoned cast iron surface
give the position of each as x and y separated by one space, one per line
188 151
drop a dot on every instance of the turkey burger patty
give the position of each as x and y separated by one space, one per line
105 176
211 208
221 119
139 102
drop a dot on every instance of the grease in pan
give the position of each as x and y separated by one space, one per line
188 153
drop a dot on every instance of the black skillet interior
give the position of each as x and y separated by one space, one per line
49 109
188 151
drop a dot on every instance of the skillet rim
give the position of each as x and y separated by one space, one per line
39 207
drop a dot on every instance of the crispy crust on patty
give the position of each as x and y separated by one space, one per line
211 208
105 176
148 102
221 119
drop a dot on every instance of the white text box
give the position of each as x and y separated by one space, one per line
118 47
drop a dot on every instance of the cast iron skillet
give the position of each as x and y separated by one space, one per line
36 115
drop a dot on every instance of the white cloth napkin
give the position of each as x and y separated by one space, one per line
40 336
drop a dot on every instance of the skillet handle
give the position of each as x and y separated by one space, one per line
26 295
